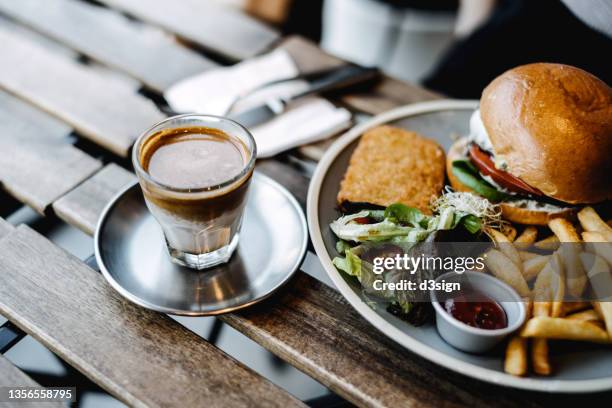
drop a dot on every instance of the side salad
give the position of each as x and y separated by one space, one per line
399 229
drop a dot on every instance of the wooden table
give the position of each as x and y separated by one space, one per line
78 82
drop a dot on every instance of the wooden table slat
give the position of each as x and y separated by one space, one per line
103 110
82 206
8 24
142 357
11 376
57 48
143 51
20 118
221 29
38 164
5 228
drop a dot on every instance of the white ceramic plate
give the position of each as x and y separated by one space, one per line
578 368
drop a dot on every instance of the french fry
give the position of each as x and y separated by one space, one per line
564 230
503 268
505 245
510 232
539 356
573 307
593 236
541 308
528 307
589 315
539 347
564 329
527 237
533 266
558 286
601 282
604 311
597 244
544 287
592 222
515 362
526 255
598 272
550 243
516 356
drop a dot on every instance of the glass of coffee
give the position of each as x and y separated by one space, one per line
195 172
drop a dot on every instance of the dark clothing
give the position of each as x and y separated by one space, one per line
521 32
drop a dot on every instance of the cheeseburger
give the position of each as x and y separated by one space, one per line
540 144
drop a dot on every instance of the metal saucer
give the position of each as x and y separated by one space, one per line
132 254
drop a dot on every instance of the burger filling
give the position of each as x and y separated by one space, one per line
487 175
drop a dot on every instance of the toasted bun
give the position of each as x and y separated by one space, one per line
527 216
456 152
552 124
510 211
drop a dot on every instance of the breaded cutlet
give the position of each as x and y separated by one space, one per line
393 165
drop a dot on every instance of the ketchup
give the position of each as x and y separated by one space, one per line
477 310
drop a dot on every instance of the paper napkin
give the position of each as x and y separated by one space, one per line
215 91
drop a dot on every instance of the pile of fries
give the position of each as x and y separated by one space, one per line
546 280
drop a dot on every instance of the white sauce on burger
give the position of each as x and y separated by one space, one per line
478 135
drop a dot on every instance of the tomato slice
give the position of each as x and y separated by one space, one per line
482 160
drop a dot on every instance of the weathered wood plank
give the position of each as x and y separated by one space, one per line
5 228
82 206
142 357
45 42
286 175
20 118
389 93
57 48
143 51
38 166
105 111
11 376
39 172
221 29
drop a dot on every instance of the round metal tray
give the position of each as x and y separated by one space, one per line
132 254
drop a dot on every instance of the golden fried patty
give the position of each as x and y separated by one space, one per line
392 165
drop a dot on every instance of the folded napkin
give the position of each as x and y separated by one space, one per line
242 86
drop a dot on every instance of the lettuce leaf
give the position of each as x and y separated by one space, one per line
350 264
465 171
471 223
407 215
346 229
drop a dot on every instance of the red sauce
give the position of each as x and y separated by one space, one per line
363 220
477 310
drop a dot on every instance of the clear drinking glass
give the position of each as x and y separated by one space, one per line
201 224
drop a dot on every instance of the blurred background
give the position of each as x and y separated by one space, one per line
454 47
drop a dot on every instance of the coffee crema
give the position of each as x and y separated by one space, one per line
193 157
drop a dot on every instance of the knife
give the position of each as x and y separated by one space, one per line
346 76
